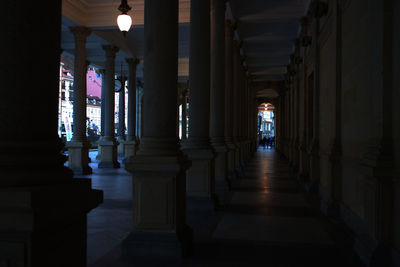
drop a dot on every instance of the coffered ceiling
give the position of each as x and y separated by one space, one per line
268 29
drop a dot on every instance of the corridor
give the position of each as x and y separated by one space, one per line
269 221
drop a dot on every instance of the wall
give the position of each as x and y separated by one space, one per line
366 190
361 81
396 121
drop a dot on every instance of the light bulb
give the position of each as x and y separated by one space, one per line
124 22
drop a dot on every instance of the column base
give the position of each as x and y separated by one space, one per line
78 157
130 148
242 149
158 248
231 162
98 156
238 168
201 217
159 207
108 158
222 183
200 176
120 146
328 206
44 225
314 163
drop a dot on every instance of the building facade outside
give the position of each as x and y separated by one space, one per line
93 101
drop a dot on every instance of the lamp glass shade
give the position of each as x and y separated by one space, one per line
124 22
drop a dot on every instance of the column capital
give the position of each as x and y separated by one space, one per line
218 4
132 60
239 43
231 24
318 9
80 32
306 40
110 50
185 92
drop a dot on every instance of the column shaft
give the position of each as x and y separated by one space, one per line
132 63
217 71
109 96
131 143
236 102
229 99
40 201
217 119
200 179
103 92
78 148
79 98
108 143
184 115
159 199
121 118
199 73
121 113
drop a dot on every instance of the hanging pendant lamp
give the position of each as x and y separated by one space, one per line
124 21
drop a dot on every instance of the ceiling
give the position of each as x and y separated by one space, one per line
268 29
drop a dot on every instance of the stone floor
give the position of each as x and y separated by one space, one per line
269 221
110 222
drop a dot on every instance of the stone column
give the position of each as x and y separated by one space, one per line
78 147
121 117
236 103
139 114
246 115
217 119
108 143
184 113
240 108
102 108
303 102
298 61
141 121
131 143
282 120
200 176
159 198
229 104
41 203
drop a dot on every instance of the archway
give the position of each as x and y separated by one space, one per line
266 124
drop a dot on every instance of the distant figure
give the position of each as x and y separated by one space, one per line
264 141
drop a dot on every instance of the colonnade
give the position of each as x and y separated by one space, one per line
109 146
222 133
222 127
219 105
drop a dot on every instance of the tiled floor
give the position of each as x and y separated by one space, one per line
110 222
269 221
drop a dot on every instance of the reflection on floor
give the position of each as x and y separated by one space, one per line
111 222
269 221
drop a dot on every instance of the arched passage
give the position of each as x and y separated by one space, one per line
266 124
